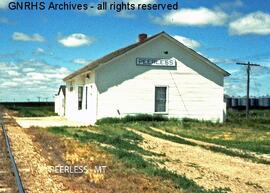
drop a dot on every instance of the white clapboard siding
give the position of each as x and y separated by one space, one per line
59 102
195 89
86 116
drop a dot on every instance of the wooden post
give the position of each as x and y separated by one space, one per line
248 83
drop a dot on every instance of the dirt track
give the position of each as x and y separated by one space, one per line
209 169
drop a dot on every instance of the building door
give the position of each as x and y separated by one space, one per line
80 97
160 99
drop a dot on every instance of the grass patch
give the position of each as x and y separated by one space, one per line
134 118
243 135
180 140
123 144
34 111
238 154
117 178
236 132
150 131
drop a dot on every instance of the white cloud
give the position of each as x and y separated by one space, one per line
223 61
193 44
29 79
18 36
40 51
253 23
214 60
12 73
80 61
28 69
9 84
75 40
43 52
4 3
193 17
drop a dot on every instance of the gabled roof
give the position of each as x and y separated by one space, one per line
122 51
63 88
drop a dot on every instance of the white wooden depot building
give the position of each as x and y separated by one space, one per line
156 75
60 101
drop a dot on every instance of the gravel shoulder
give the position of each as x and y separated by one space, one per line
7 179
209 169
32 166
52 121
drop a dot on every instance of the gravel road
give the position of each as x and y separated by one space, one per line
208 169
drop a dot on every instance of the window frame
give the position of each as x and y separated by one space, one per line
86 97
71 87
80 103
167 99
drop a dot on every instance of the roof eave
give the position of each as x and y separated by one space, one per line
94 64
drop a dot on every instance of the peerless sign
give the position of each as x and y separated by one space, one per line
156 62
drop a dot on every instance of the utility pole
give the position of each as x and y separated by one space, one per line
248 65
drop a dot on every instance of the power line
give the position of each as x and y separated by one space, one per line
248 65
256 87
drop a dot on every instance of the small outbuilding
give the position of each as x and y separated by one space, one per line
156 75
60 101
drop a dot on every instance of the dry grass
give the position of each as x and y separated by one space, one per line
118 178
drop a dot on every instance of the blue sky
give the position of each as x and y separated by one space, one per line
39 48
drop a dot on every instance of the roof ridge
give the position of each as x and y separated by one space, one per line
123 50
109 56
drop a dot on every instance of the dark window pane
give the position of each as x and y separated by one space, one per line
86 96
80 97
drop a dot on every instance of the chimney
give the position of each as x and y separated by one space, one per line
142 37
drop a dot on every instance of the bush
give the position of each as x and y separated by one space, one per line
33 111
133 118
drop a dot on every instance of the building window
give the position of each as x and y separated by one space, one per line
86 96
80 97
160 99
71 87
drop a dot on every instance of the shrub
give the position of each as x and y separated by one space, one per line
133 118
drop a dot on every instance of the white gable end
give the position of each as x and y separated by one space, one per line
194 88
